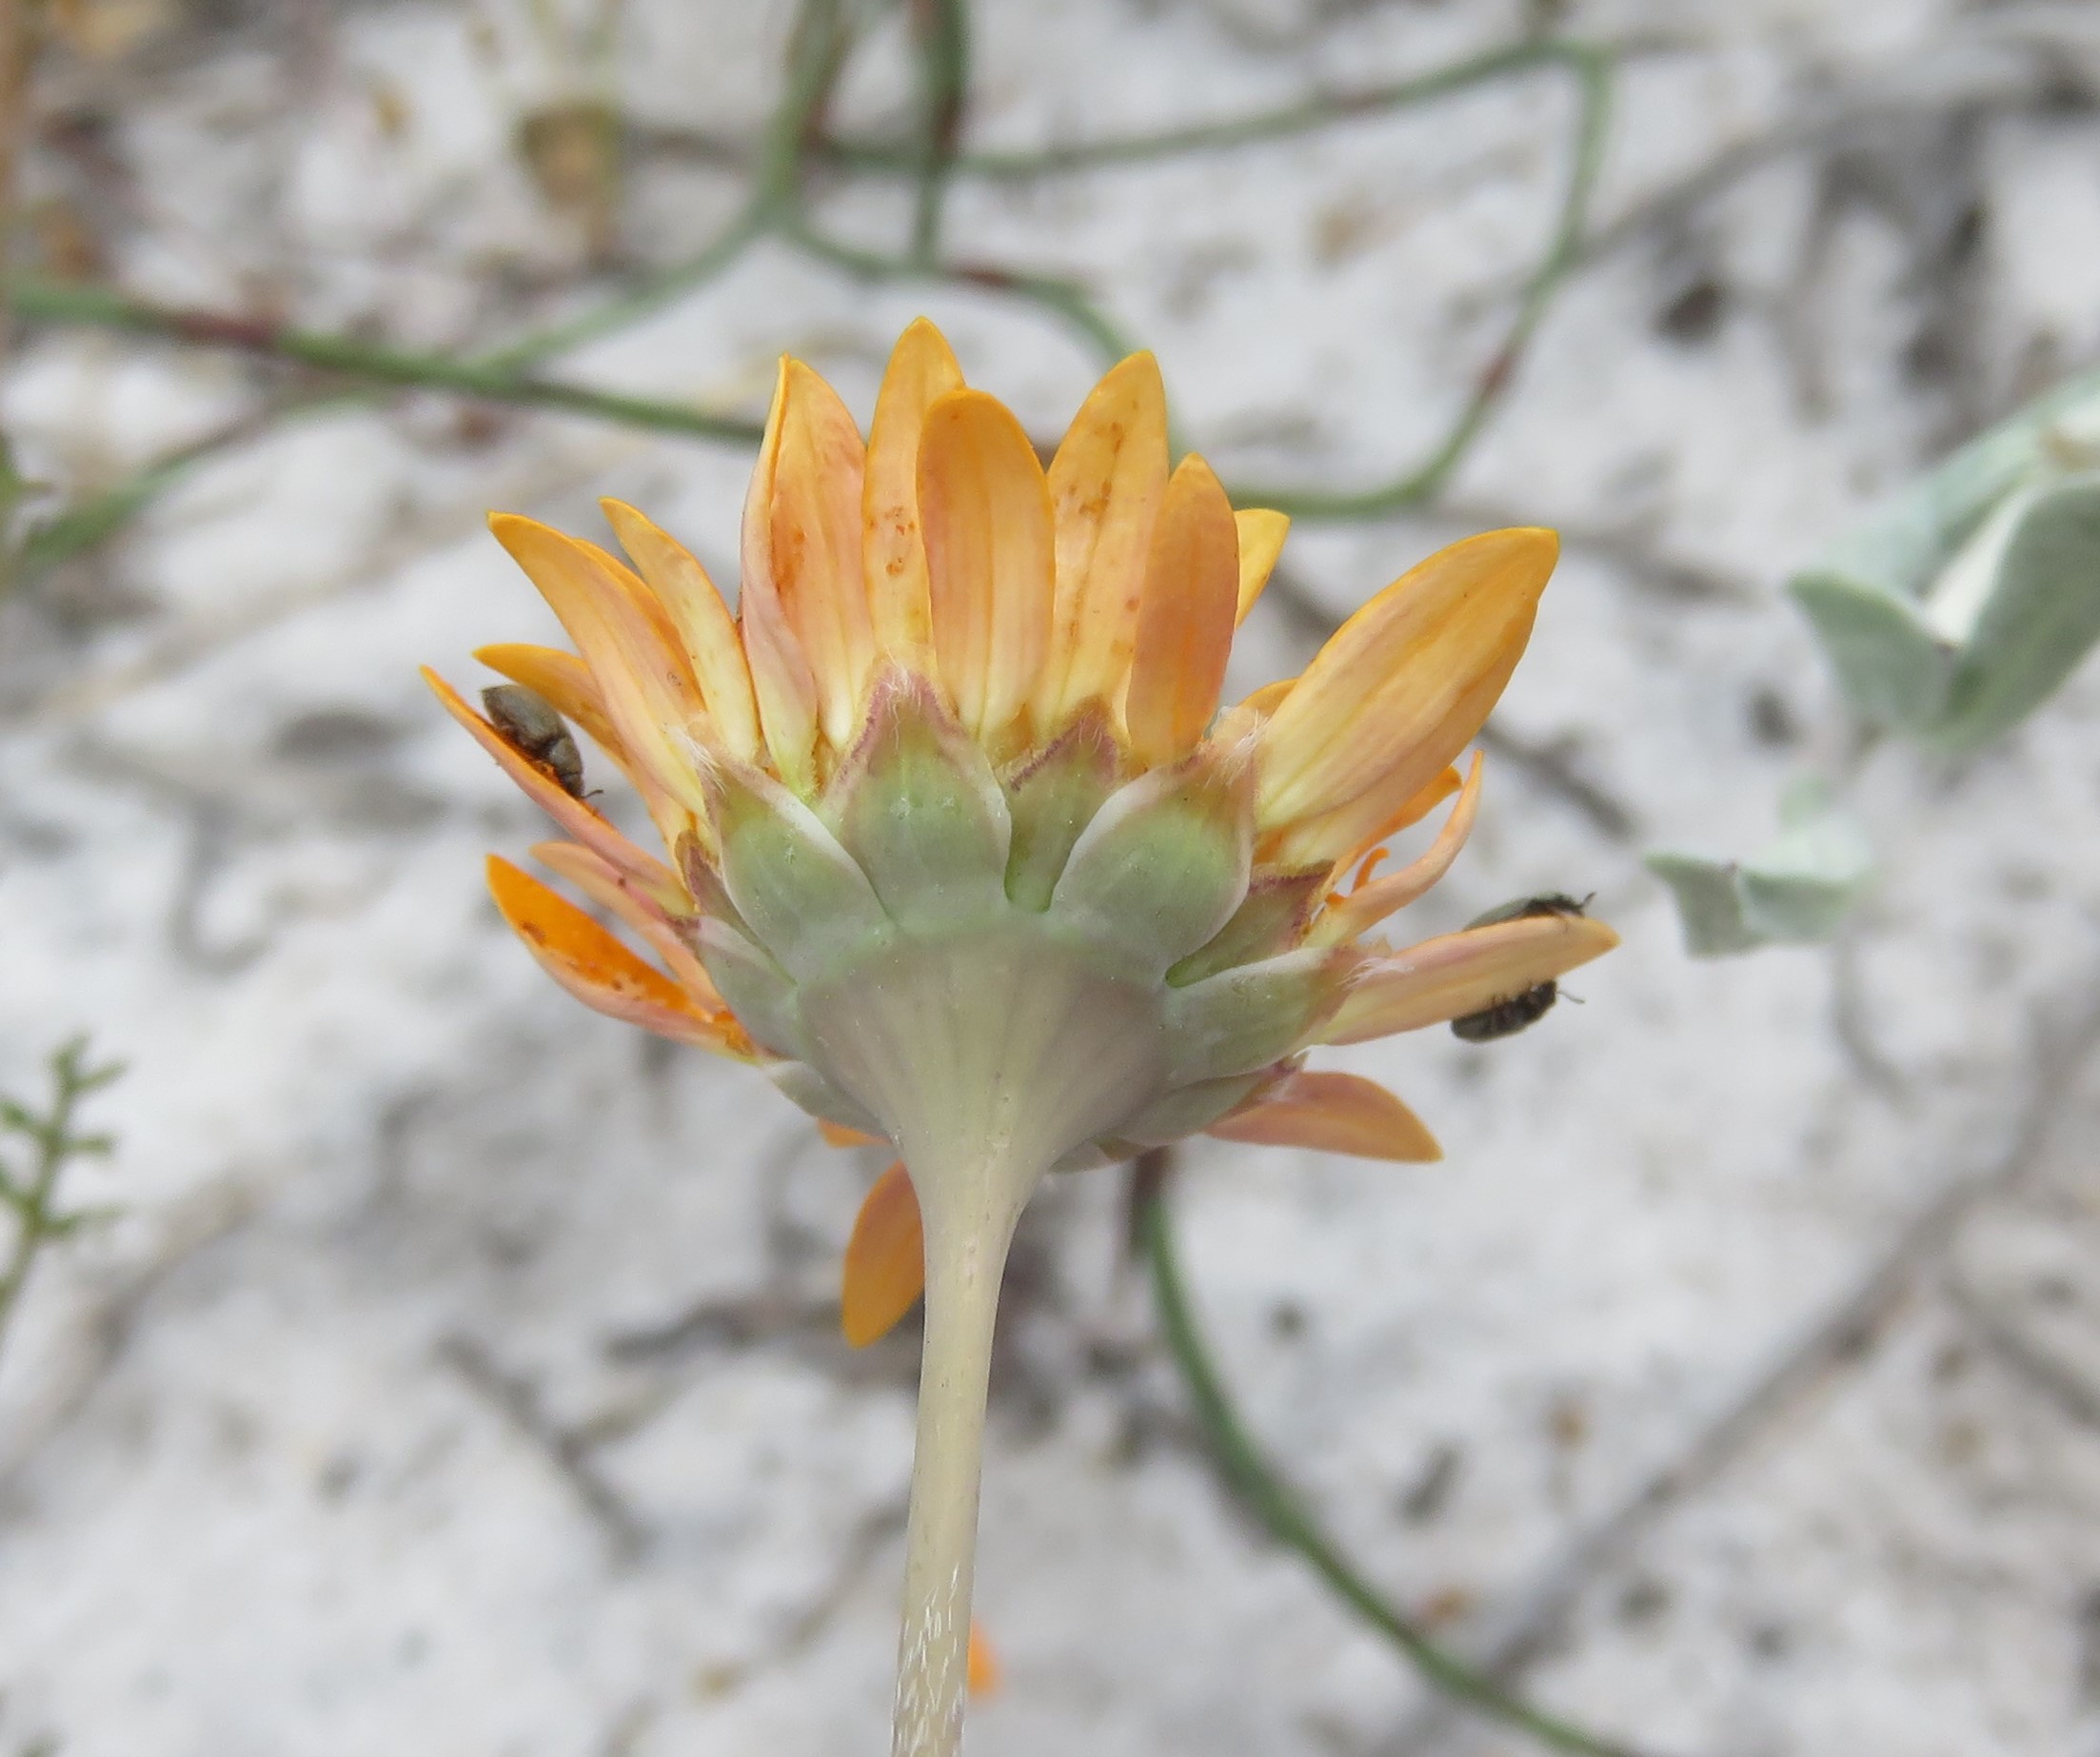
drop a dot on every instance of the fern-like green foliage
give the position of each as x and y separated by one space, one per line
41 1144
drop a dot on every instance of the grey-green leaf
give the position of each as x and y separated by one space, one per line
1894 670
1709 908
2042 618
1797 891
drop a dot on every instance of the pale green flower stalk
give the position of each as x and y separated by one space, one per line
968 860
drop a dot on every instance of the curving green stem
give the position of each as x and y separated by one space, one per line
1289 1520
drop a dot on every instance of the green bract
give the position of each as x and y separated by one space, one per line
975 969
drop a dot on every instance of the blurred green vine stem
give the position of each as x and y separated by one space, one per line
1279 1508
30 1191
794 139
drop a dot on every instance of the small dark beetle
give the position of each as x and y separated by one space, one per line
530 726
1507 1016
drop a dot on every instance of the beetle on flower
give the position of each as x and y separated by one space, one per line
966 856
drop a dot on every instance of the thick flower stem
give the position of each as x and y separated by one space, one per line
965 1264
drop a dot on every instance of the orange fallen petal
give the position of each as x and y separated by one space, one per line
986 512
1407 681
1333 1112
594 966
1369 905
1461 973
703 621
1185 622
984 1672
1105 485
649 875
1262 535
885 1260
921 370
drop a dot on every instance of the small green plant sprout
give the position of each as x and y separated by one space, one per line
28 1183
1948 617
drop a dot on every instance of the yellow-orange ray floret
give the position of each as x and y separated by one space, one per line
985 511
1333 1112
649 875
570 688
601 883
1105 485
1406 681
635 655
816 547
1369 905
885 1261
704 625
921 370
598 970
1349 832
837 1134
1186 618
1456 973
1262 535
782 682
1265 701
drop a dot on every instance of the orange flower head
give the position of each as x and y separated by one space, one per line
962 850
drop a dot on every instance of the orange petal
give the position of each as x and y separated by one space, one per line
602 883
985 1675
704 625
1369 905
1456 973
986 516
782 682
594 966
816 536
886 1262
1105 485
923 369
648 686
567 684
1262 535
650 876
837 1134
1266 700
1334 1113
1407 681
1348 831
1185 623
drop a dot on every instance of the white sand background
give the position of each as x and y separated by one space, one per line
460 1378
